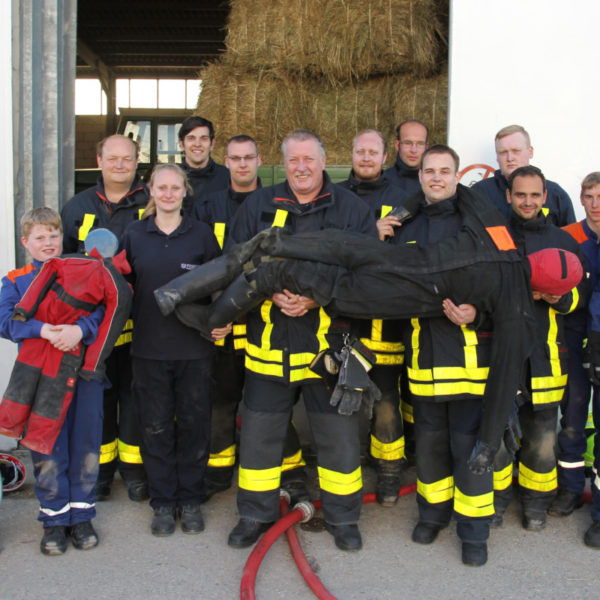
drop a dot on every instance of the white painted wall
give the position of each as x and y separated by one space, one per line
8 350
533 63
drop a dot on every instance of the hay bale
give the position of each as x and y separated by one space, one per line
337 39
269 104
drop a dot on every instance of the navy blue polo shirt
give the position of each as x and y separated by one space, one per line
155 259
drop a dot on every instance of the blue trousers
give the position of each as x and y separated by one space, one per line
65 480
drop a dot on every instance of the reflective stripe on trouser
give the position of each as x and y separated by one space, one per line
572 441
537 460
387 432
445 434
266 412
65 480
121 435
503 479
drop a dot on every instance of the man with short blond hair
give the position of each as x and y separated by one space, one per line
514 150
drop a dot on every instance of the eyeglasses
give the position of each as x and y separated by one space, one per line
239 159
410 144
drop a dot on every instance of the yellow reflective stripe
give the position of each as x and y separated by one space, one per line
259 480
219 342
438 491
300 359
342 484
265 313
415 342
225 458
260 367
385 210
474 506
86 225
324 324
293 462
239 344
407 412
389 359
376 329
503 478
552 345
219 230
540 482
476 374
547 397
543 383
239 329
447 389
280 218
387 451
141 213
126 336
129 454
264 354
382 346
470 347
302 373
545 211
108 452
575 302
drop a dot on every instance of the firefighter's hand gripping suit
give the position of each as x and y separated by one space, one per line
43 379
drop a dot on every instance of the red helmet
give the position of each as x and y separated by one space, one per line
554 271
12 472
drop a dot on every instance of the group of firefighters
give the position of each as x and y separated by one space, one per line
429 368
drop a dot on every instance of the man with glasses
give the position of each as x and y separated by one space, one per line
196 140
218 209
411 141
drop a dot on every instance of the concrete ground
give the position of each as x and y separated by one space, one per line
130 563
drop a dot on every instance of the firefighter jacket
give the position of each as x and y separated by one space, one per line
211 178
403 176
281 348
558 204
444 361
91 209
582 321
354 275
547 373
43 379
217 209
382 337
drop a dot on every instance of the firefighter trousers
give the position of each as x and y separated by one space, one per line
229 384
537 463
121 435
387 432
266 412
65 480
445 433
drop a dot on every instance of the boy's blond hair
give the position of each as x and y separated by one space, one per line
42 215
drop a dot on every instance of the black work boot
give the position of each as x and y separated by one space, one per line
346 537
137 490
425 533
592 535
163 521
83 536
191 518
474 554
102 490
246 532
565 503
534 521
54 540
240 297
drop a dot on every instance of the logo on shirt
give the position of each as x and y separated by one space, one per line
188 267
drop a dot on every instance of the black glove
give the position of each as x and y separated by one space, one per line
482 458
591 357
354 388
513 432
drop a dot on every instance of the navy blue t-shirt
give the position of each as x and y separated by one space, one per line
155 259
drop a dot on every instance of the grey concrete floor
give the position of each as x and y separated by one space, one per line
131 564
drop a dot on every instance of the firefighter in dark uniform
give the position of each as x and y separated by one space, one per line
196 140
285 333
447 361
546 373
411 141
387 446
118 198
218 209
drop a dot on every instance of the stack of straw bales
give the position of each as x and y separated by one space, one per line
332 66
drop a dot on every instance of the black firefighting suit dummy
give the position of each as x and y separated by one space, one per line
360 277
387 444
43 379
544 384
218 209
85 212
